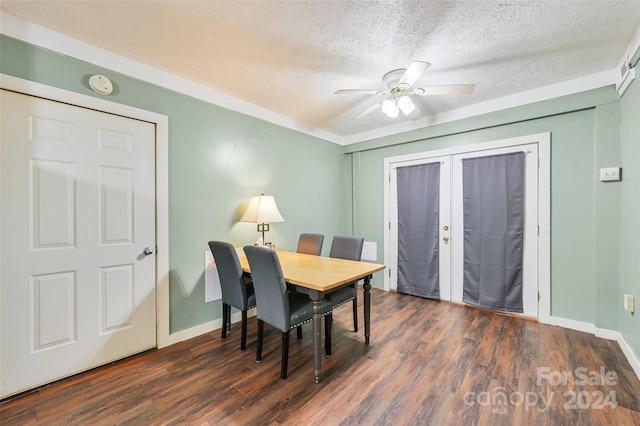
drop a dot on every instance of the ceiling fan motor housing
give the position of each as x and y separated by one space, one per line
392 78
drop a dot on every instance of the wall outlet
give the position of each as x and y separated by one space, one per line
629 302
608 174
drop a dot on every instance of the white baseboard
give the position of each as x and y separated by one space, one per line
628 352
602 333
571 324
196 331
605 333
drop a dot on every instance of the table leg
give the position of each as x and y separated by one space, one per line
317 332
367 307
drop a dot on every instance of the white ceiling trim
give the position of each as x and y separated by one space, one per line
60 43
569 87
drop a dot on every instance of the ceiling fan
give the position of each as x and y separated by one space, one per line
398 88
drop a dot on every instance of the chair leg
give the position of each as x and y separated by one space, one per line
285 356
355 314
243 339
259 345
327 335
225 307
299 332
228 321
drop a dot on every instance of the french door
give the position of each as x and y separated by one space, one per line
419 264
410 244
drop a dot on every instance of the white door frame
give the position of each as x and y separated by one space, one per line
163 338
544 205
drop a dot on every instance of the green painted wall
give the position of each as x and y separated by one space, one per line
218 159
607 214
585 133
629 324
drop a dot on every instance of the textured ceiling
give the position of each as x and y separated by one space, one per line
291 56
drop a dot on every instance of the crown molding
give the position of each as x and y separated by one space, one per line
568 87
60 43
42 37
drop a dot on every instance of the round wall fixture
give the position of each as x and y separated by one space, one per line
101 84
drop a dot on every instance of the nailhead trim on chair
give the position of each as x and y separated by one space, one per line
310 320
343 302
302 323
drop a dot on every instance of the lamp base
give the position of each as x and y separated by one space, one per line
262 227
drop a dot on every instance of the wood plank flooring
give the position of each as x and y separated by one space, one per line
429 363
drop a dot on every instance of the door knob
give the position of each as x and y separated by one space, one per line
445 238
147 251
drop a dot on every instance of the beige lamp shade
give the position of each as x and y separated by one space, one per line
262 209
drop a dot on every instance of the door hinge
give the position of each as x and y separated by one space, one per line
389 273
389 178
539 295
538 229
538 163
389 225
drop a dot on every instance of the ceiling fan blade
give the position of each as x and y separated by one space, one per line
367 111
360 92
413 72
451 89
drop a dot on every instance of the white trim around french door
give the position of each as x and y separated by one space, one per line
536 270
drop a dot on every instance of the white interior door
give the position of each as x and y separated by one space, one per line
78 210
451 222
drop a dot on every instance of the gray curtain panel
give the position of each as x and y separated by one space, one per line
418 230
493 203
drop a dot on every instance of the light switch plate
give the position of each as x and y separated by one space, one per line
629 302
608 174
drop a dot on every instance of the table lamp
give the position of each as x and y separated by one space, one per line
262 210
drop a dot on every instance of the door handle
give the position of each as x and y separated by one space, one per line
147 251
445 238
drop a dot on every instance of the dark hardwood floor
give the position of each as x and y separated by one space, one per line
428 363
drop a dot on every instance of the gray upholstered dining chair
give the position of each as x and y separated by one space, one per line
276 306
310 244
237 289
349 248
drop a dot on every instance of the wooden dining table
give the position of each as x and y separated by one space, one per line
317 275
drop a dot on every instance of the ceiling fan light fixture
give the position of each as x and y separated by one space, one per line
390 108
398 88
406 105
